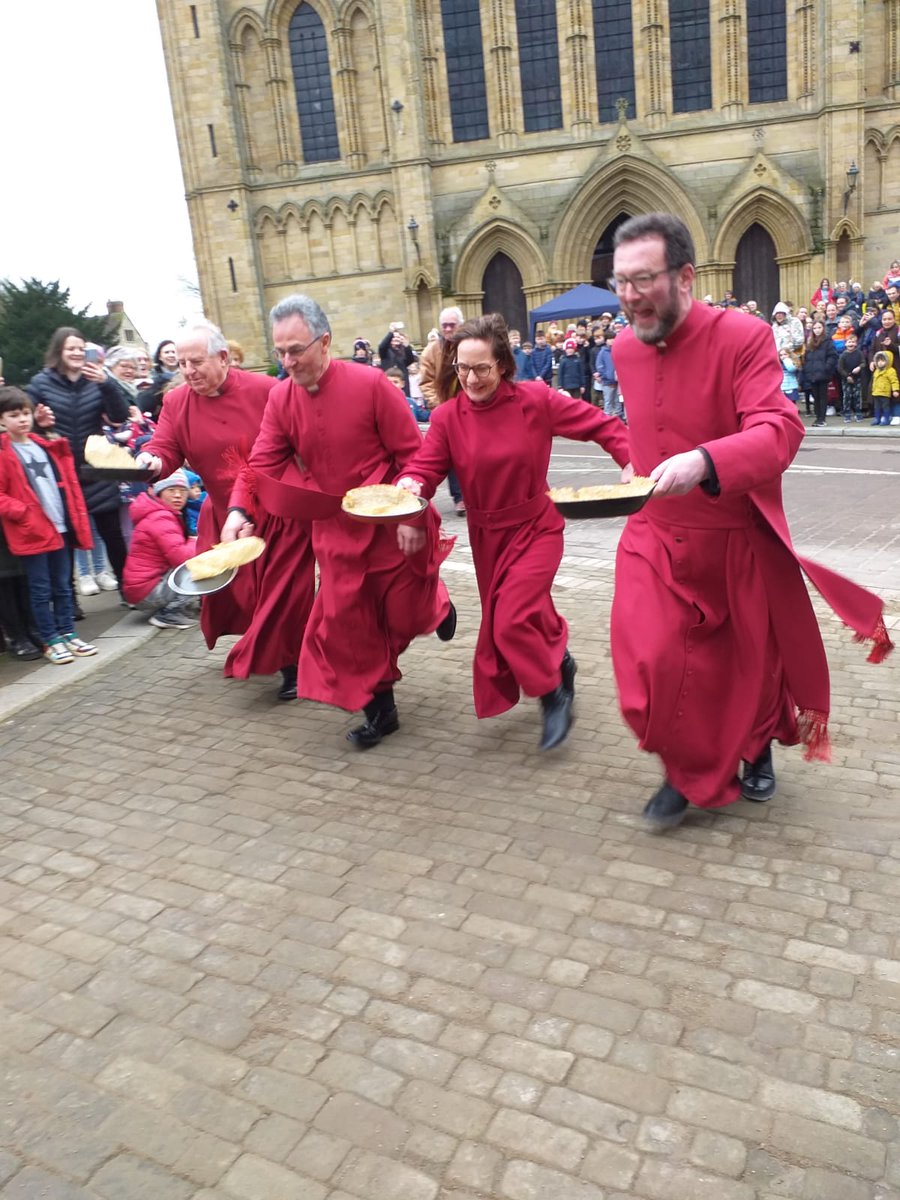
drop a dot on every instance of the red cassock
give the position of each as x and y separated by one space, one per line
270 599
355 428
500 451
716 647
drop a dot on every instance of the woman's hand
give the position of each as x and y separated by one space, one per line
94 372
410 538
627 473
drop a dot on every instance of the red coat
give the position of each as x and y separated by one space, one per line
715 642
270 599
158 544
27 527
500 452
356 428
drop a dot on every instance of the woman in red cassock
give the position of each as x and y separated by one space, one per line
211 422
497 436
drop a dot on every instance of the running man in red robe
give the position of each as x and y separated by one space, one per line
211 422
340 425
716 647
497 435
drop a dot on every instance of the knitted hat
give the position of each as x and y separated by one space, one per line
570 344
176 479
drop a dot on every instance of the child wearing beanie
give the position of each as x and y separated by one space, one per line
159 543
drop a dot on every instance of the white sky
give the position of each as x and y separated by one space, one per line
92 193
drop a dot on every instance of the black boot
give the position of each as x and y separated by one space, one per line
288 689
568 669
447 628
556 709
665 809
758 780
557 706
381 719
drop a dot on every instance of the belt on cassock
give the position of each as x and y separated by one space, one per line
516 514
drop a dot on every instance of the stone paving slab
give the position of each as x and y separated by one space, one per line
240 960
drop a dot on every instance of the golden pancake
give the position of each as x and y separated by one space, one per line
639 486
224 556
98 452
380 500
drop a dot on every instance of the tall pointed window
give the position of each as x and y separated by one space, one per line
539 65
464 54
613 56
767 50
689 42
312 85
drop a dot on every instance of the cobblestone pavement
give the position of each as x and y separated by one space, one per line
241 961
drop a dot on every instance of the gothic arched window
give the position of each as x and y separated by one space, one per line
613 57
312 85
689 43
767 50
539 65
464 55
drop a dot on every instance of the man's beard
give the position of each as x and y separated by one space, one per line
667 319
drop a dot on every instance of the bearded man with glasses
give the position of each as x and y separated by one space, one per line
332 426
716 647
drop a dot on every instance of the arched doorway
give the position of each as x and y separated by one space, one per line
502 287
602 259
756 275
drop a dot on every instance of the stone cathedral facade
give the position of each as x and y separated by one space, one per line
389 159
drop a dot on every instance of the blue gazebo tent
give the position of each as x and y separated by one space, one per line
582 301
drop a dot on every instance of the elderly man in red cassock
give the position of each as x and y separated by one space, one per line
211 422
341 425
716 648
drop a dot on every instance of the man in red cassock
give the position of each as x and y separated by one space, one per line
341 425
716 648
211 422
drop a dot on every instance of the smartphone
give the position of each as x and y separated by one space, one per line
92 355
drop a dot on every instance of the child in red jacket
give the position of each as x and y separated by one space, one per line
160 542
44 516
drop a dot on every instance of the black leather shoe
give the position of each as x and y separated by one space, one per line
758 780
22 650
288 689
568 669
665 809
447 628
78 613
557 714
374 728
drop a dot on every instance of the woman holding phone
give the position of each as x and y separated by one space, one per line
71 397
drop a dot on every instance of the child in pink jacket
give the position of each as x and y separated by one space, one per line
159 543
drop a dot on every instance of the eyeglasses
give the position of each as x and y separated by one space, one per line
297 351
479 370
642 282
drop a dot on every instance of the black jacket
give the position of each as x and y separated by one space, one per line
79 408
820 362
